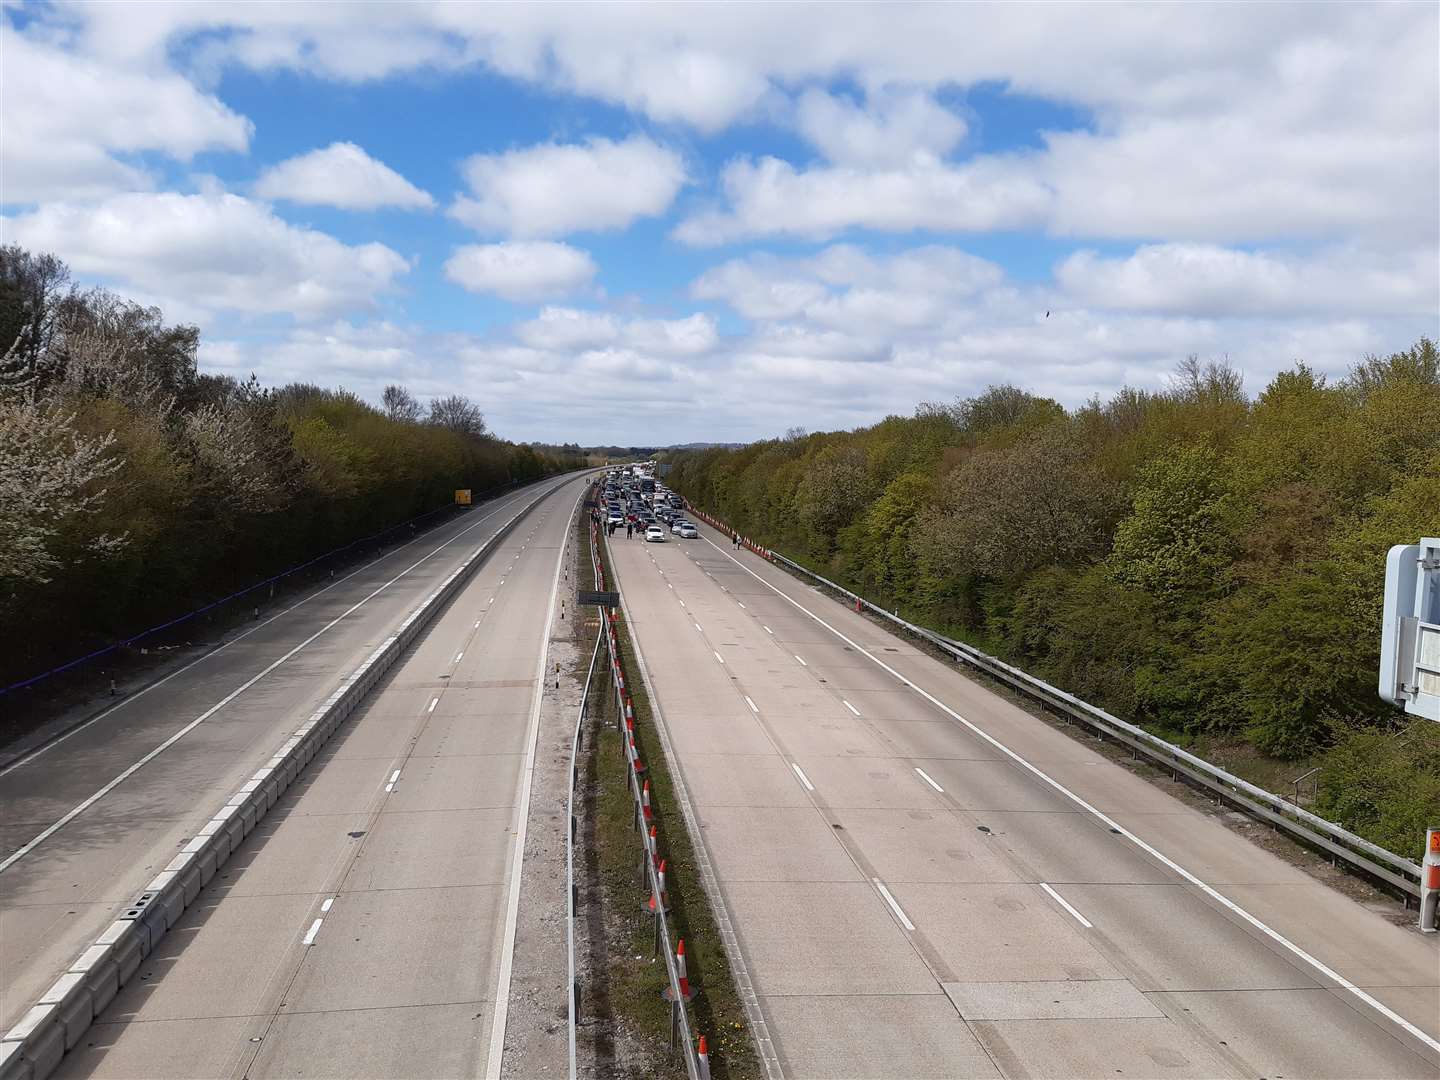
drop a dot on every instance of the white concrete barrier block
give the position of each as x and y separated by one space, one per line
43 1038
71 995
102 975
13 1064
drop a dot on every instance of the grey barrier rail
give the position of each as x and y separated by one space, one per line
678 992
35 1046
573 1004
1339 843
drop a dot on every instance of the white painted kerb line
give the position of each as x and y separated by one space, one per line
894 906
753 707
803 778
926 777
1274 935
1066 905
527 776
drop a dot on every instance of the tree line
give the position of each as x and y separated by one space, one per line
134 487
1200 562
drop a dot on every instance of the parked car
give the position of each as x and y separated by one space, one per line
655 534
684 530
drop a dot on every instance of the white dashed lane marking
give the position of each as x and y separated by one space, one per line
926 777
850 707
894 905
1066 905
803 778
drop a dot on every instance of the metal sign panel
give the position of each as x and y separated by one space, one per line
604 599
462 496
1410 634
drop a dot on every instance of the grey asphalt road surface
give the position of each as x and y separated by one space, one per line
92 819
926 881
363 929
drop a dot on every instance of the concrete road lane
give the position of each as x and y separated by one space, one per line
90 820
881 858
361 930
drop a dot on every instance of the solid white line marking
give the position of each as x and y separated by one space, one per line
894 905
1066 905
803 778
926 777
752 705
1274 935
433 702
517 860
327 904
309 938
802 660
850 707
717 656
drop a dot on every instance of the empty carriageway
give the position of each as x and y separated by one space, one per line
365 927
90 818
927 881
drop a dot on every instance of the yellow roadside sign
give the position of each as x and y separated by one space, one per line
462 496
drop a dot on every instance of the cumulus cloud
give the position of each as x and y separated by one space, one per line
555 189
211 252
571 329
893 128
521 270
1203 279
771 197
67 116
843 286
340 175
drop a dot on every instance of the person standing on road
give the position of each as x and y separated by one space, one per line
629 530
735 540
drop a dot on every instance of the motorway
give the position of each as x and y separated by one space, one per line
926 881
363 928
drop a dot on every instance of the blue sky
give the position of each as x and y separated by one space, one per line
738 219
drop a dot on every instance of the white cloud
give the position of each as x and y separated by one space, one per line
521 270
554 189
340 175
895 128
570 329
843 287
210 253
773 198
66 117
1202 279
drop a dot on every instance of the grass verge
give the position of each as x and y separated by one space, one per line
635 974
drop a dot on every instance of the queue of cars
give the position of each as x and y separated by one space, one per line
640 501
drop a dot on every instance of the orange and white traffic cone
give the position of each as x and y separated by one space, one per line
645 811
687 992
702 1053
659 902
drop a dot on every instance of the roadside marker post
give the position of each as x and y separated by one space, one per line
1430 883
